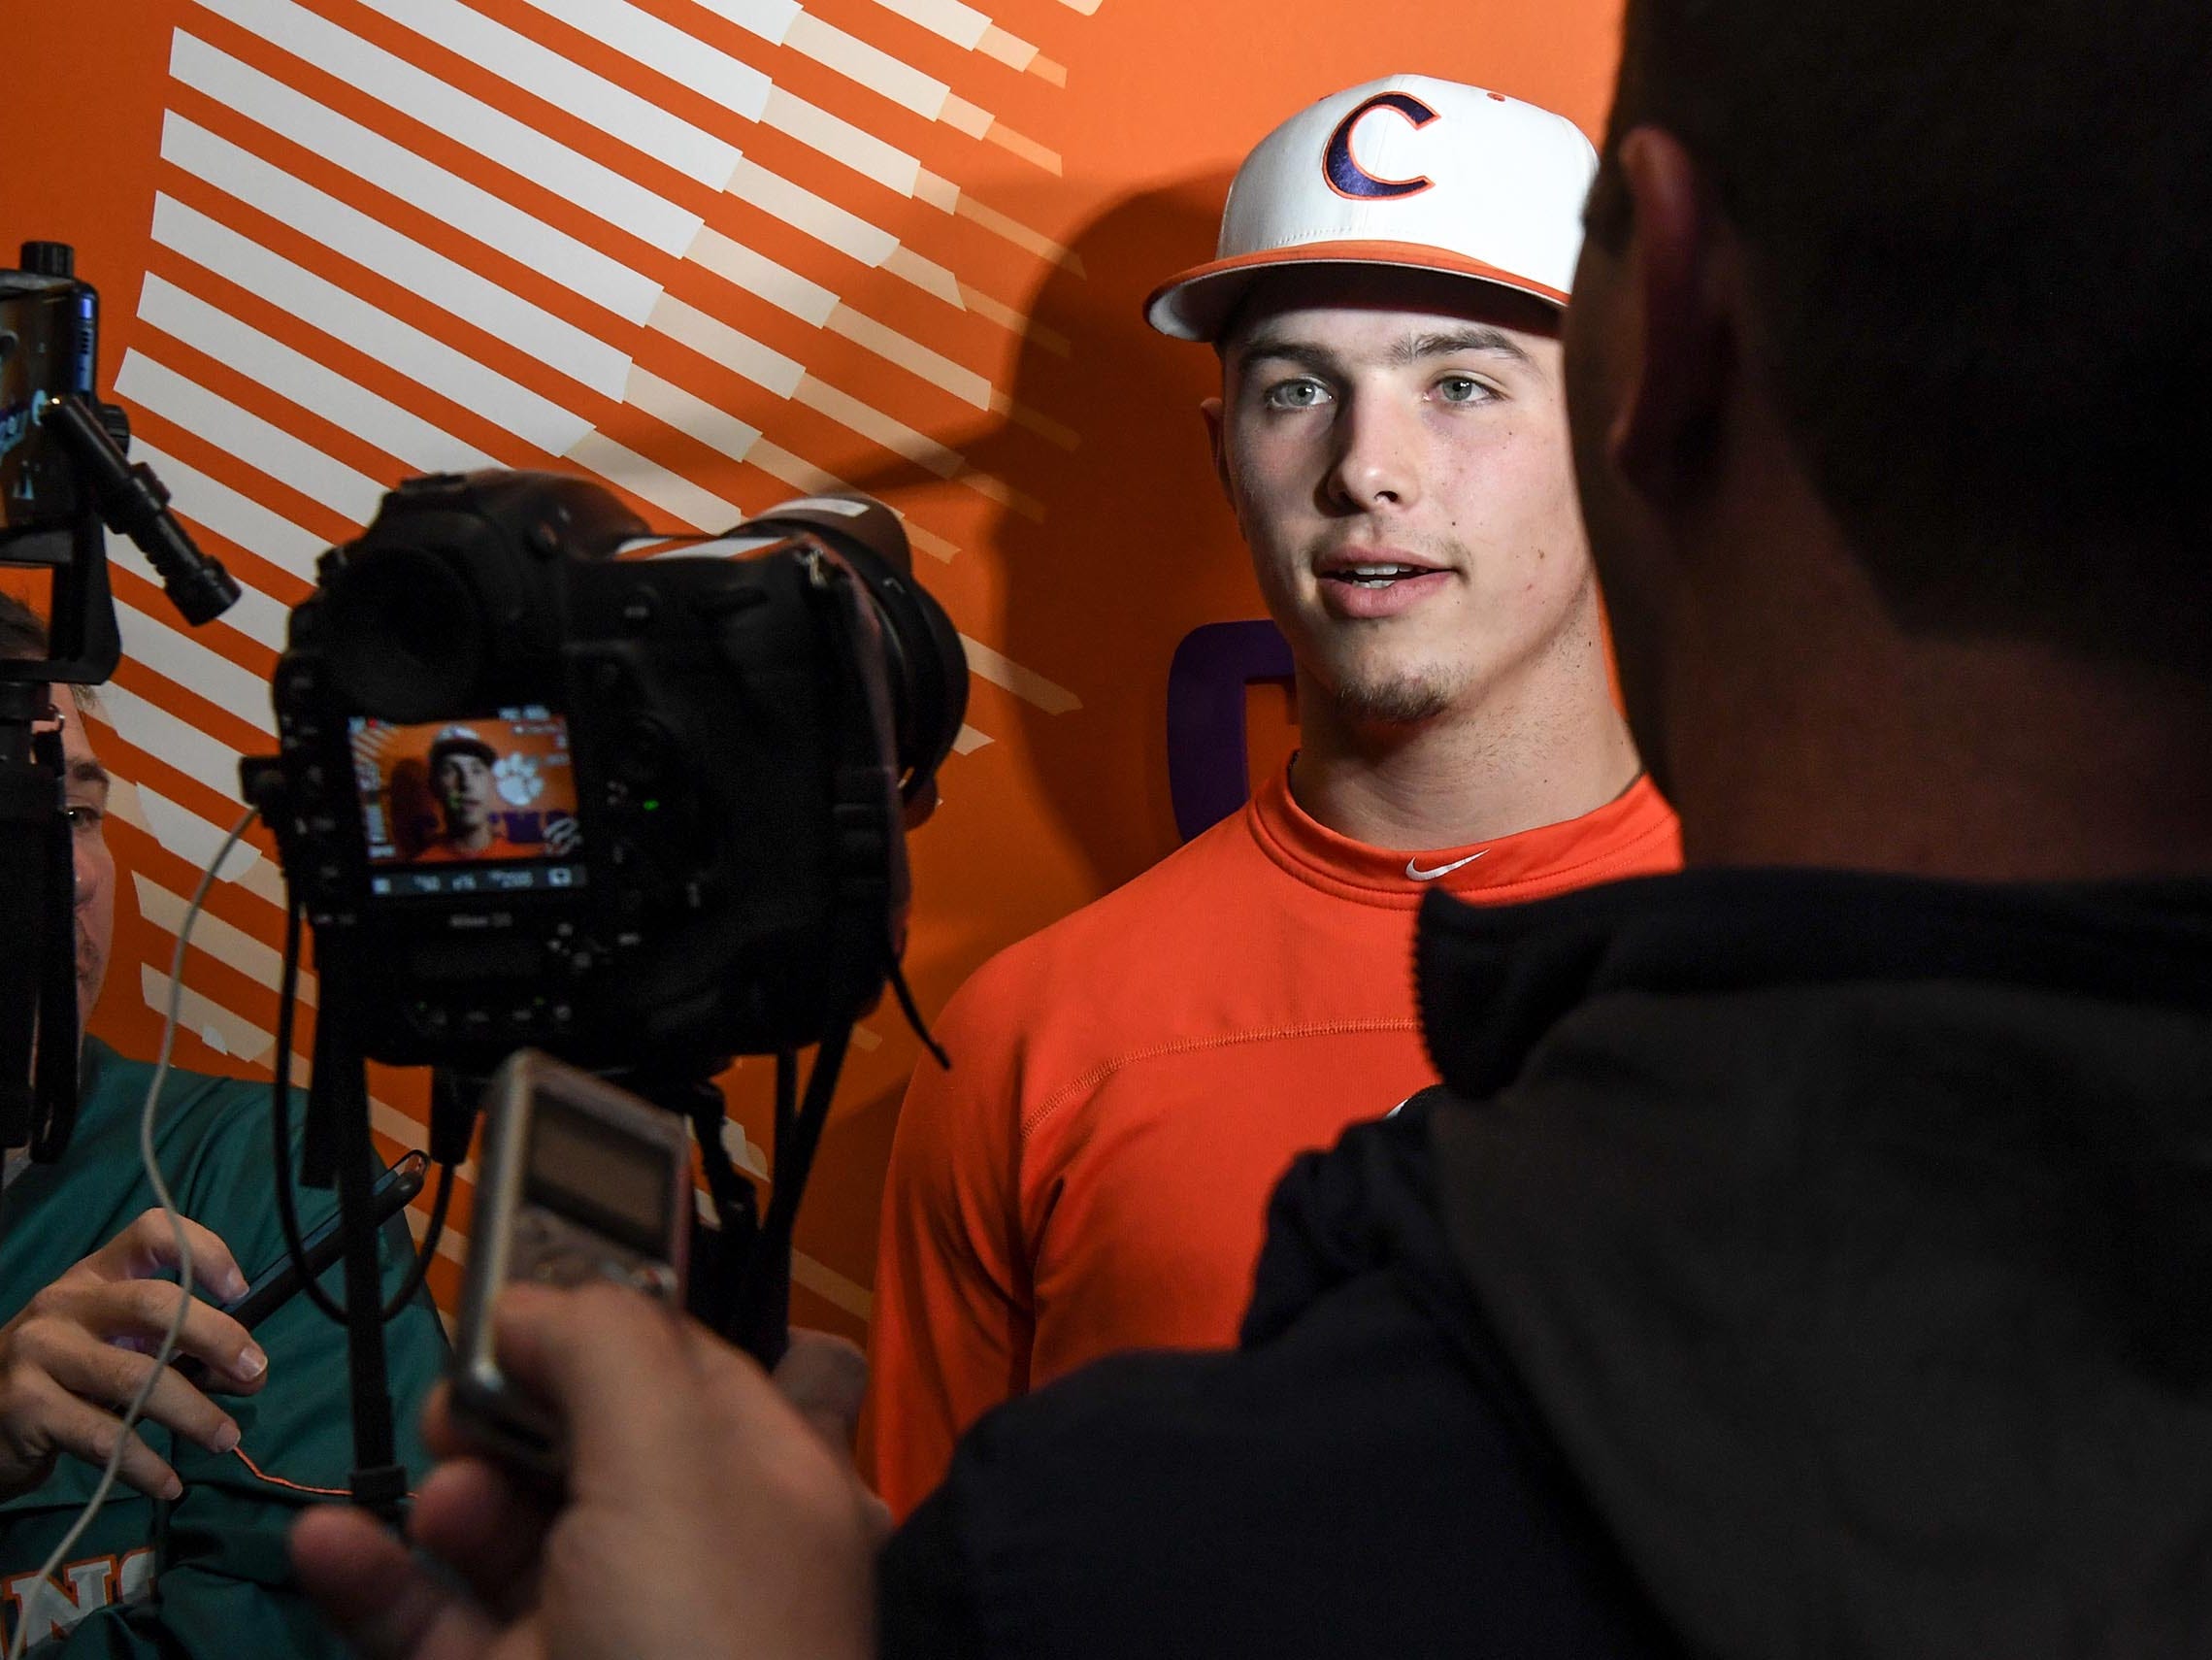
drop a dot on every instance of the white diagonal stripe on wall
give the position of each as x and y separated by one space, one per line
575 264
664 136
701 508
368 241
566 84
269 449
962 26
758 275
230 945
819 216
663 48
225 1031
687 411
492 133
814 304
182 659
770 20
870 66
195 840
827 1284
720 344
298 378
911 355
966 27
324 305
1025 684
840 140
147 728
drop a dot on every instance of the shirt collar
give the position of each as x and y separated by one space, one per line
1529 864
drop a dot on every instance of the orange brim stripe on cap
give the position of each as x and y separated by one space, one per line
1413 256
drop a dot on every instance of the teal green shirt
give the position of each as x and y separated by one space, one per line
205 1575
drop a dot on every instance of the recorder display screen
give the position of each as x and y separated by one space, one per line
574 1155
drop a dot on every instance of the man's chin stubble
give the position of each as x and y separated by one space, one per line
1406 702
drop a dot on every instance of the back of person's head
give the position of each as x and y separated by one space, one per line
1978 243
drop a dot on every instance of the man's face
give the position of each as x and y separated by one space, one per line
464 789
88 799
1395 446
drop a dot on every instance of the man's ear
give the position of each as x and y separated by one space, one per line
1680 296
1217 441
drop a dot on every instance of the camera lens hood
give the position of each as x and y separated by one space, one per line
927 667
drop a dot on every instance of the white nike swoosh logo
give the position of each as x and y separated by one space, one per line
1413 868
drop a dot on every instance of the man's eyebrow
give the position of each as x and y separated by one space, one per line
1259 345
84 769
1449 343
1480 338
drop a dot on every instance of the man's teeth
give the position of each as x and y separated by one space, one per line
1377 575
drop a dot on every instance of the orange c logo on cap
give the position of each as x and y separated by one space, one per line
1348 177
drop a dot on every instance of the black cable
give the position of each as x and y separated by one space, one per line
420 1269
786 1101
896 973
793 1165
281 1126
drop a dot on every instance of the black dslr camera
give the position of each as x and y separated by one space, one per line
641 814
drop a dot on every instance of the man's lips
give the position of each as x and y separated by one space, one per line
1364 583
1345 562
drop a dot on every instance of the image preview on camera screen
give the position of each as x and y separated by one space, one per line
485 805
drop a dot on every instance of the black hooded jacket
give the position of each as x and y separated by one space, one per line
1794 1264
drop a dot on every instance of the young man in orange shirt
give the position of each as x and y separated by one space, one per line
1129 1085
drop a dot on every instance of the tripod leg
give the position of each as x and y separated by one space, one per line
337 1112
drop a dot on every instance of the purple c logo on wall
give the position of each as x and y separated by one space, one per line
1207 753
1348 177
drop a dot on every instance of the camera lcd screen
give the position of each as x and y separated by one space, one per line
486 805
581 1163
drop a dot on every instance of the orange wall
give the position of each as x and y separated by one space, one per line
991 377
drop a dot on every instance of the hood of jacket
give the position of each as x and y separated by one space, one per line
1851 1237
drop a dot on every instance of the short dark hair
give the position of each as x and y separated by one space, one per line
23 634
445 748
22 631
1979 236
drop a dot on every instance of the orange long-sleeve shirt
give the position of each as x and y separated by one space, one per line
1129 1085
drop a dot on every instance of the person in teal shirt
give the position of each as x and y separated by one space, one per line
187 1557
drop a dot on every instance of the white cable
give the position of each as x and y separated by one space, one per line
176 1218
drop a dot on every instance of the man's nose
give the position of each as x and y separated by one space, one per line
1377 461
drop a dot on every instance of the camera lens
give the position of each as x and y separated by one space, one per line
406 635
928 668
925 664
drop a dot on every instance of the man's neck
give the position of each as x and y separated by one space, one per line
1802 725
1513 763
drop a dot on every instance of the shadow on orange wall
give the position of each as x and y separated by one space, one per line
1140 551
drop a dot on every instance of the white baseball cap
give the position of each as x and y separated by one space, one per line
1406 171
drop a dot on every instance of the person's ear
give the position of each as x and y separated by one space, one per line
1681 289
1217 442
